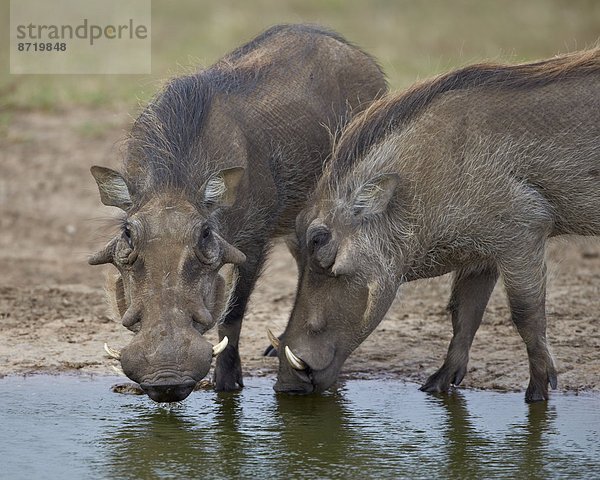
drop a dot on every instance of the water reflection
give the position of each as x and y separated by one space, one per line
367 430
226 434
466 447
232 435
475 450
149 444
531 441
316 433
182 440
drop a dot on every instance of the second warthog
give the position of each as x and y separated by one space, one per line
219 163
470 172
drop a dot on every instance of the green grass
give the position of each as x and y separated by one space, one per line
94 129
412 40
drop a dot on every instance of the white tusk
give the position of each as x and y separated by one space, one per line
118 370
295 362
273 339
219 347
112 352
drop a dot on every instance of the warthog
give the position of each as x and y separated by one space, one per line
218 164
470 172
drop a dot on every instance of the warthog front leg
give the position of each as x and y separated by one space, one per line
471 290
525 283
228 368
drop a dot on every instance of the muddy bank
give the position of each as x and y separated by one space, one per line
53 316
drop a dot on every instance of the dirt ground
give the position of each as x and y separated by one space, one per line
53 315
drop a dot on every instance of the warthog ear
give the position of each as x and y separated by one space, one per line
113 189
221 189
373 196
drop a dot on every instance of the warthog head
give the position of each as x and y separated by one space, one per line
345 284
169 292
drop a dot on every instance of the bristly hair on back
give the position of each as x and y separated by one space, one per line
391 112
163 146
168 127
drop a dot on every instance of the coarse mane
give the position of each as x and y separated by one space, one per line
286 28
389 113
167 129
163 146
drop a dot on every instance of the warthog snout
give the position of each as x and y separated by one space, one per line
168 392
168 382
307 367
166 365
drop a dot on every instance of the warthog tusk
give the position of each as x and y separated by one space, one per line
295 362
273 339
219 347
118 370
112 352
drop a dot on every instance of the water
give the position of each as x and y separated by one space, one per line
74 427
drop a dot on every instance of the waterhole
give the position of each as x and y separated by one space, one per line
75 427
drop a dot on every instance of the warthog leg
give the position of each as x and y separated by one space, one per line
228 368
525 283
471 290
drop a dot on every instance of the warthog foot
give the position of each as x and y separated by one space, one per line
537 391
228 370
270 351
441 380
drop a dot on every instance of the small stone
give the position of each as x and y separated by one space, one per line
127 389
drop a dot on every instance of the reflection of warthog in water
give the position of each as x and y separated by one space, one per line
217 165
469 172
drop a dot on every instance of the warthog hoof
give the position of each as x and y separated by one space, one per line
270 351
537 391
228 371
441 380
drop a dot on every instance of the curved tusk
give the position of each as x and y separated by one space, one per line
116 354
295 362
118 370
273 339
219 347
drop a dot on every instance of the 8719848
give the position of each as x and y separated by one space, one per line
42 47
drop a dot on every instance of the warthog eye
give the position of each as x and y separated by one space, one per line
127 236
318 239
321 248
207 249
125 253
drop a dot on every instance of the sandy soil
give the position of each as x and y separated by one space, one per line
53 316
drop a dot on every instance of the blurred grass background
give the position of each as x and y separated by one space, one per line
411 39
